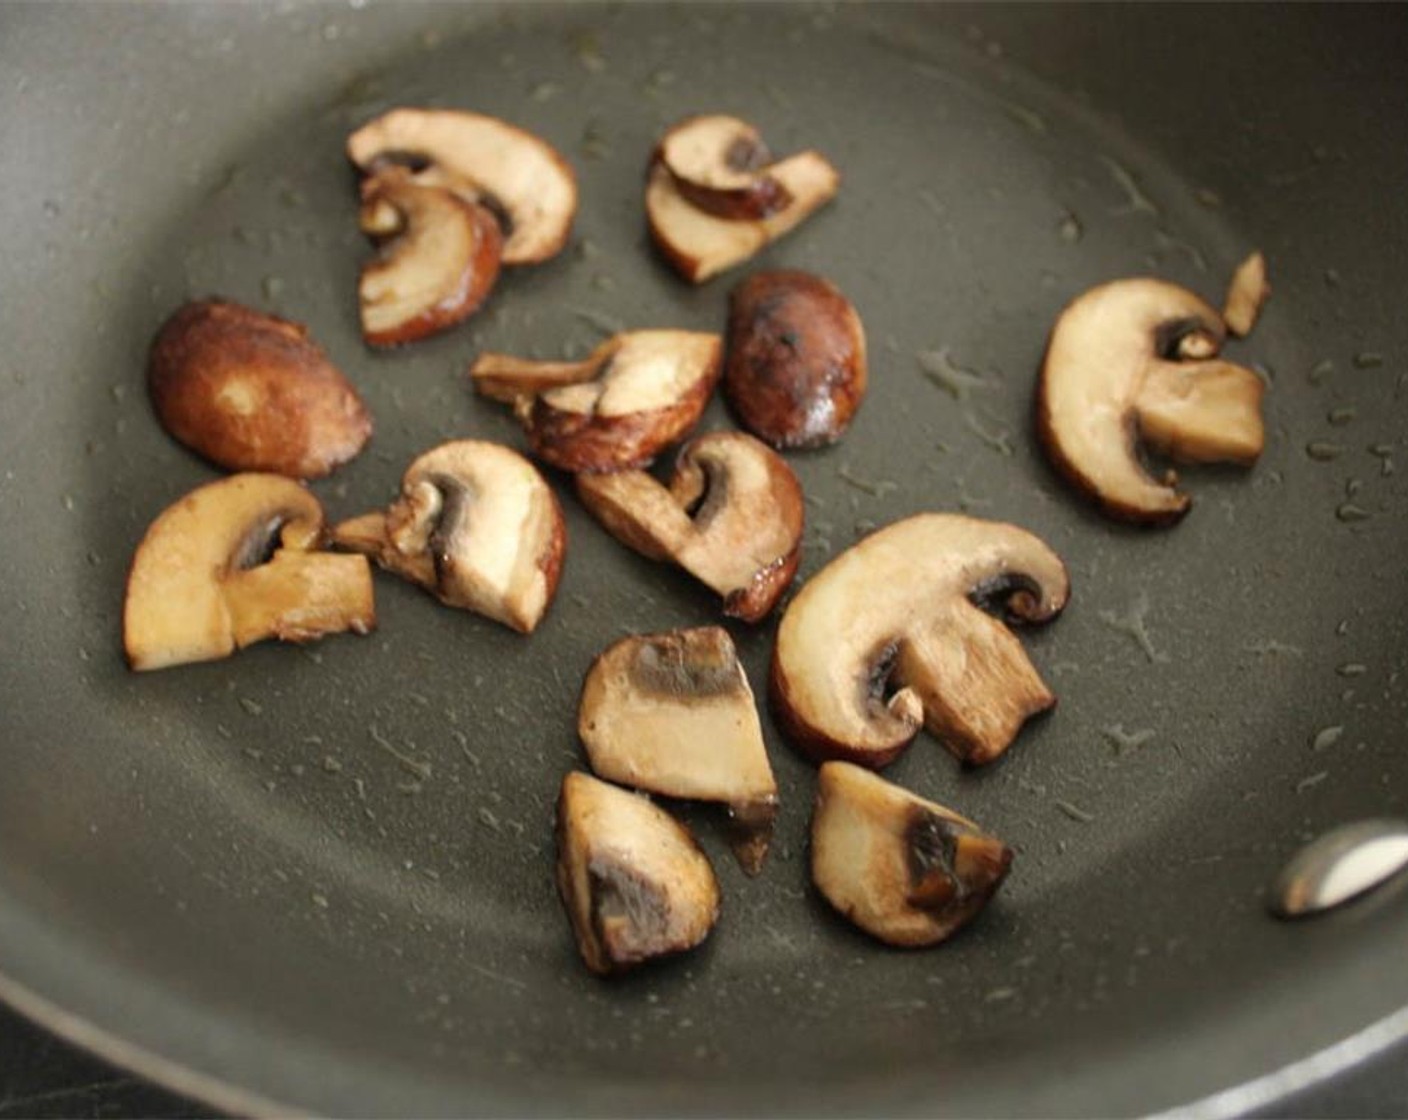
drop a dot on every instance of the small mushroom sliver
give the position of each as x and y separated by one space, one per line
894 633
673 714
476 526
907 871
1135 361
632 879
732 517
233 563
634 395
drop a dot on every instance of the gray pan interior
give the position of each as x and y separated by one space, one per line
225 875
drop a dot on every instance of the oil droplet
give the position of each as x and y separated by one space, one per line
1326 738
1342 416
1368 359
1322 451
1350 513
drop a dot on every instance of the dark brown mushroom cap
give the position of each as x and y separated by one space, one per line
796 367
633 881
253 392
893 632
906 870
1135 361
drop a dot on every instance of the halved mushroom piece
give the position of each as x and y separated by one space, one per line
633 881
673 714
233 563
712 199
1246 294
253 392
476 526
907 871
899 630
732 517
796 369
438 261
513 173
1135 361
634 395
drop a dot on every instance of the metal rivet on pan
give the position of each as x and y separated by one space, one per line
1340 865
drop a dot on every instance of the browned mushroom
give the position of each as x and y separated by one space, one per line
634 395
709 203
673 714
633 881
907 871
233 563
438 262
796 369
897 631
253 392
476 526
486 161
1135 361
732 517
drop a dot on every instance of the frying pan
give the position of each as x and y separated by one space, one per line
225 876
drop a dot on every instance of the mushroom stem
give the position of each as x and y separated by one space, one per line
299 596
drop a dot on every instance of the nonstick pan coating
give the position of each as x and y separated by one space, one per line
224 874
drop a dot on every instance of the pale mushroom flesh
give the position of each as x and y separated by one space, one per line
232 563
633 881
477 526
673 714
732 516
899 631
1136 362
906 870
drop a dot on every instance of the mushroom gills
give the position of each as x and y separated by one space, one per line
732 517
907 871
633 881
233 563
673 714
477 526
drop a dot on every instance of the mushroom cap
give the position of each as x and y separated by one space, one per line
901 607
477 526
796 369
906 870
633 881
700 245
439 266
732 517
252 392
203 584
719 165
637 393
521 173
1112 378
672 713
